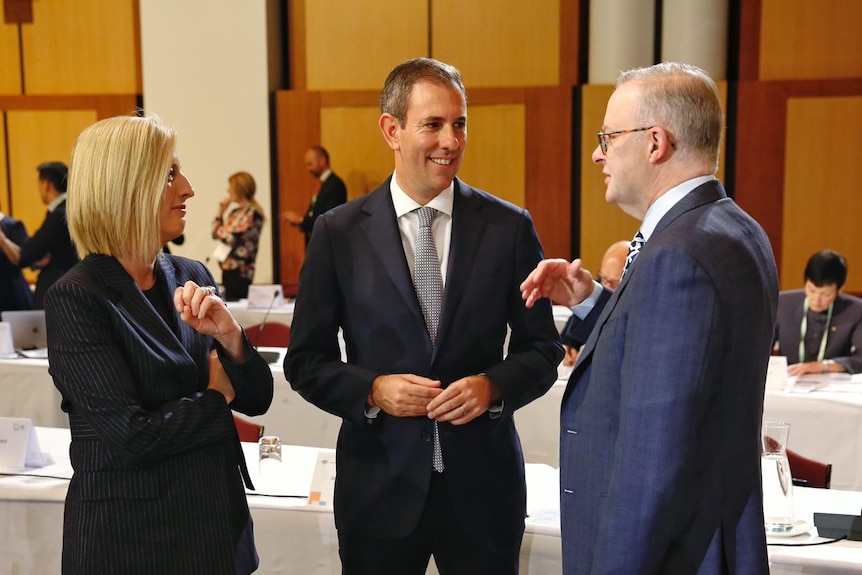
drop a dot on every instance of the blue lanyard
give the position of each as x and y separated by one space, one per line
803 329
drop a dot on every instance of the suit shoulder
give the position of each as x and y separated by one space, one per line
187 268
484 200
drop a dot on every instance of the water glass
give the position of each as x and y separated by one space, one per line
777 480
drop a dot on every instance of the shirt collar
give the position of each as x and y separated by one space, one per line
667 201
325 175
56 202
403 203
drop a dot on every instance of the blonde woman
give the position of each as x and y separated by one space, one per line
239 234
158 482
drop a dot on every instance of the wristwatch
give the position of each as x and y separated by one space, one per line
826 363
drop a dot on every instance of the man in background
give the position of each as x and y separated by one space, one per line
610 273
50 249
660 421
331 191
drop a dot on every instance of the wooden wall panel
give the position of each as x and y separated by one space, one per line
548 154
297 115
498 44
801 39
601 223
356 147
10 56
760 133
36 137
821 202
495 154
99 54
353 45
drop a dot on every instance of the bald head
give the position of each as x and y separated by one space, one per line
612 264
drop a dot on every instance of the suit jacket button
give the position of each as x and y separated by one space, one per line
426 436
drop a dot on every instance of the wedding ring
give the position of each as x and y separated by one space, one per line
209 289
463 411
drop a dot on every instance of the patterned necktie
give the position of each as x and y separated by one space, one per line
428 282
634 250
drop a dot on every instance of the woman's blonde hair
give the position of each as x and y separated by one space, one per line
117 180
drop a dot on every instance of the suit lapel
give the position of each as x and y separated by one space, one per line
132 303
467 230
381 228
705 193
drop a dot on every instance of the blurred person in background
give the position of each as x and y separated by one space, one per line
239 235
330 191
610 273
50 249
819 327
14 291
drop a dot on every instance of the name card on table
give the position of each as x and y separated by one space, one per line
265 296
323 480
776 373
19 446
7 347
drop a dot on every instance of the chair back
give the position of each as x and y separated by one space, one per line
248 431
808 472
269 334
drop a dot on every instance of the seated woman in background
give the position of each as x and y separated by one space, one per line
819 329
240 234
158 467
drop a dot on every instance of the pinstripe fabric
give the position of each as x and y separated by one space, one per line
156 487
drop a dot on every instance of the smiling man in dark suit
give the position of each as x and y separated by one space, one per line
429 462
660 421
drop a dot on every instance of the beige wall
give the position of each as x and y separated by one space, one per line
205 72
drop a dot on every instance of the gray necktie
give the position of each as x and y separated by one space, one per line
634 250
429 289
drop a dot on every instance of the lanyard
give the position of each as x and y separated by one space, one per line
803 329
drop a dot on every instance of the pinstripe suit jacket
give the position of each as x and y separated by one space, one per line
660 421
156 487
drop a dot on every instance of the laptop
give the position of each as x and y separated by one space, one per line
28 329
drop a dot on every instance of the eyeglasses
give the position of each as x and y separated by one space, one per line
605 137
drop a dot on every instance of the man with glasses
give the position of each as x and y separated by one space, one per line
660 421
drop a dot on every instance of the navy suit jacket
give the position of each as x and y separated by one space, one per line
52 237
356 277
660 421
157 485
14 290
332 193
844 342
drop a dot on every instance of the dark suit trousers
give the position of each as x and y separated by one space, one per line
457 548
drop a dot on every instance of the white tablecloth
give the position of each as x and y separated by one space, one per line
290 537
295 539
825 425
248 316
